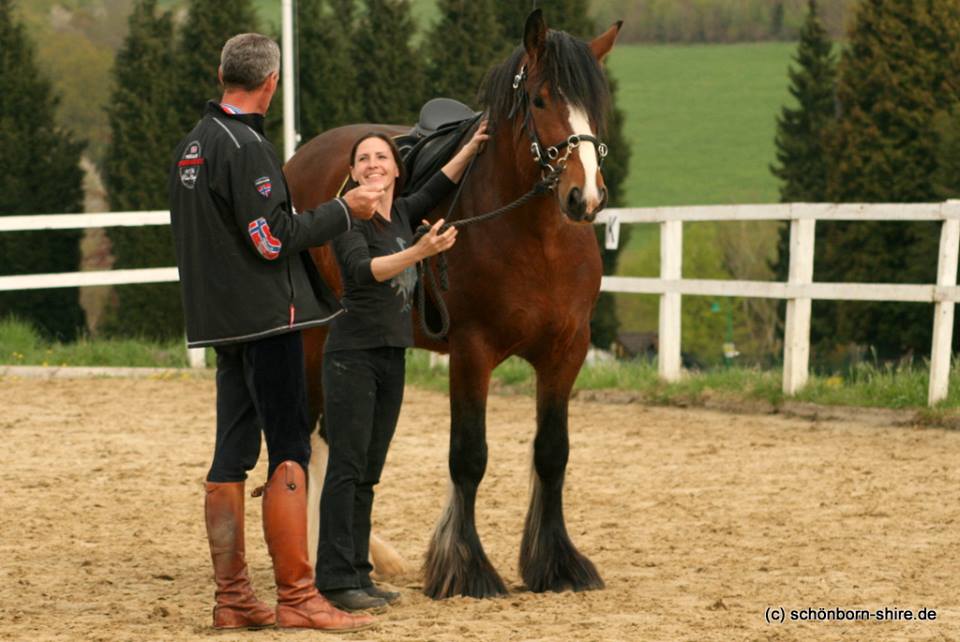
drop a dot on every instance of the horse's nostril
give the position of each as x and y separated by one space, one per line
576 206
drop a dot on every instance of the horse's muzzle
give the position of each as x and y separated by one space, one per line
578 210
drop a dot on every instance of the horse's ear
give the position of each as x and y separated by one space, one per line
602 44
535 34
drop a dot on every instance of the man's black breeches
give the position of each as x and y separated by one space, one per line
261 385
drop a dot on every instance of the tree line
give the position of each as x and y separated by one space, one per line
879 123
718 21
357 63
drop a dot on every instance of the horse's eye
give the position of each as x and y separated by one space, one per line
538 103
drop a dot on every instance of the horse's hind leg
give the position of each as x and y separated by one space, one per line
548 559
456 563
313 339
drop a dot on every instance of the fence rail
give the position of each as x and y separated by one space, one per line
799 290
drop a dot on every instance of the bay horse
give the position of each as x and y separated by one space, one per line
522 284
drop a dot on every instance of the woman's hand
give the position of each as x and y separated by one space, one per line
454 168
479 137
433 242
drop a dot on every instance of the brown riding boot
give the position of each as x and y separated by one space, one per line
237 607
299 604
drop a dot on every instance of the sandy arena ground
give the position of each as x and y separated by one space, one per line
699 521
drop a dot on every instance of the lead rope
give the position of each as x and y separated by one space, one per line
426 276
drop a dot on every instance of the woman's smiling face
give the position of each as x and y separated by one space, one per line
374 164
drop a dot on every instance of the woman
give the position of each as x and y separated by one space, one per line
363 365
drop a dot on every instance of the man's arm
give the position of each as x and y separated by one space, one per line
260 208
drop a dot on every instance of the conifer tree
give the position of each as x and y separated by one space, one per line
345 11
802 130
464 43
512 16
39 174
389 71
947 180
898 71
328 90
567 15
209 24
145 128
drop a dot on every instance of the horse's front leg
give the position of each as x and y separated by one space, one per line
548 559
456 563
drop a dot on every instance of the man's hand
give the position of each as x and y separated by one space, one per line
362 200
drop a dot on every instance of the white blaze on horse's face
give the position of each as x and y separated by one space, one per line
580 124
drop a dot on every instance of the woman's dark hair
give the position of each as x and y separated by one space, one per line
350 184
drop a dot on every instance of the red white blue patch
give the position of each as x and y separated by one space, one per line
266 243
264 186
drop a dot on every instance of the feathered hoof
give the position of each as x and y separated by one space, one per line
559 568
464 574
478 585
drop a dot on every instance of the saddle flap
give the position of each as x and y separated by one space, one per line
430 154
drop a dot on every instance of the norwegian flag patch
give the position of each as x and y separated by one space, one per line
264 186
266 243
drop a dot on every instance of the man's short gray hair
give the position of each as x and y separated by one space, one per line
247 59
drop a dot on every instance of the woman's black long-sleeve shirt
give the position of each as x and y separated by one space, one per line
379 314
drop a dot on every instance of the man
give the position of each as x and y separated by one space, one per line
248 288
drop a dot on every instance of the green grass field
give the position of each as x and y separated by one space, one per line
700 120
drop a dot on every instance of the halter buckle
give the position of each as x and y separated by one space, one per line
553 153
573 141
602 150
519 77
537 154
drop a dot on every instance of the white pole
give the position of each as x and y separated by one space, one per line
287 69
796 334
671 269
197 357
941 349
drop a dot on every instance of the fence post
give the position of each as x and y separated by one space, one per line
197 357
671 269
941 349
796 335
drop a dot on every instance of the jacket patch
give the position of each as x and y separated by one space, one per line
263 186
266 243
189 164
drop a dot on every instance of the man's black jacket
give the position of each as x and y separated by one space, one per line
244 270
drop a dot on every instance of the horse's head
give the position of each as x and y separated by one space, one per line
554 92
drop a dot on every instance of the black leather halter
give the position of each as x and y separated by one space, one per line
544 156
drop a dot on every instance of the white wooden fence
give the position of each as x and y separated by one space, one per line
799 289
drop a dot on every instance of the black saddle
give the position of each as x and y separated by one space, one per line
438 112
426 148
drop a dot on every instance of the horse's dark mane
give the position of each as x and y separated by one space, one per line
568 66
